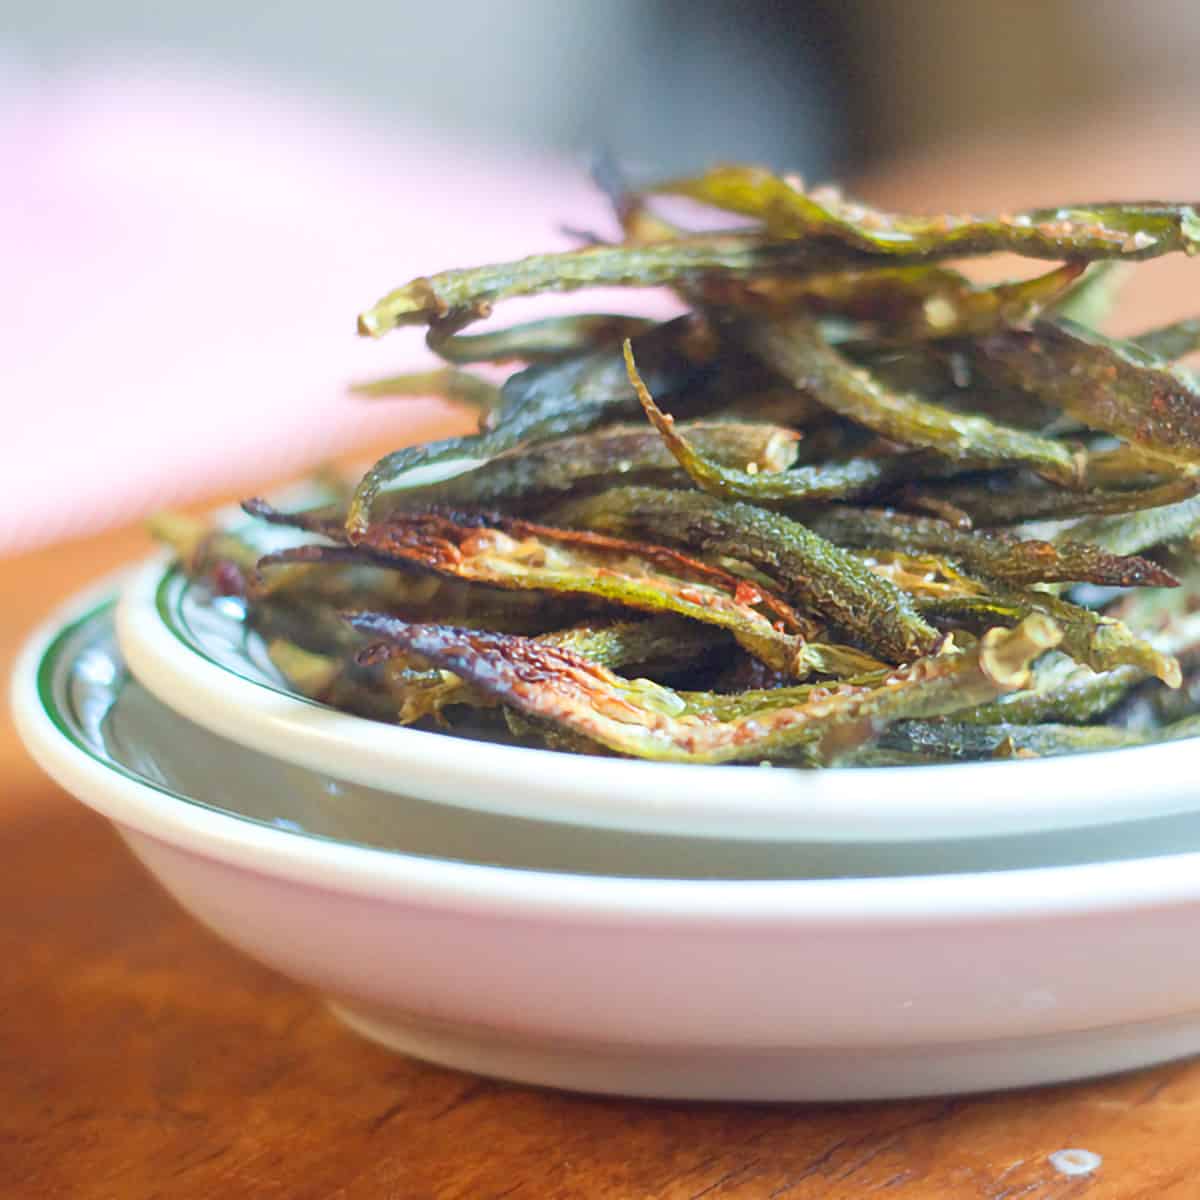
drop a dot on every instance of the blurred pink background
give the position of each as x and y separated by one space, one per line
185 255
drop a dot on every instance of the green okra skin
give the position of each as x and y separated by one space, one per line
943 374
973 310
336 681
547 401
421 693
1092 298
550 737
837 479
802 236
547 340
389 471
527 557
1106 384
952 740
622 643
645 720
313 626
1131 532
679 356
795 348
611 454
998 502
1170 342
1187 727
730 706
1100 642
1131 231
993 555
902 305
1129 468
461 387
459 295
1075 700
810 570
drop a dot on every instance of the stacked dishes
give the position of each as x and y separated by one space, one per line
565 883
784 958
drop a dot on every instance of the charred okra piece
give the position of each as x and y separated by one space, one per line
645 720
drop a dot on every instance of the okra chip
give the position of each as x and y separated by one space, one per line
1100 642
956 741
1073 698
1170 342
901 305
1094 231
613 454
796 348
458 296
1005 501
1141 530
645 720
808 569
419 694
1108 385
836 479
525 556
549 401
993 555
537 341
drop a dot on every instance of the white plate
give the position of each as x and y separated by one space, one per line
799 990
193 653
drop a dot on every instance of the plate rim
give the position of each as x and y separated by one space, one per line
893 803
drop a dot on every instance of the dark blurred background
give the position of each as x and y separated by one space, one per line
196 199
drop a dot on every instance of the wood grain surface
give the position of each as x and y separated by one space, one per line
140 1058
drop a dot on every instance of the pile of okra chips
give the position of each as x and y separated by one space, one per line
848 508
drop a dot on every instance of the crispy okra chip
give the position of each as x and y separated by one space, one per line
810 570
796 348
645 720
1106 384
1096 231
993 555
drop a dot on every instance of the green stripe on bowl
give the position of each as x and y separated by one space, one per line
45 679
169 595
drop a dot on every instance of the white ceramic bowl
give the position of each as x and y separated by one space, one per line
193 653
127 726
812 989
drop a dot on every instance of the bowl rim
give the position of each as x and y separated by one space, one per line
135 802
896 803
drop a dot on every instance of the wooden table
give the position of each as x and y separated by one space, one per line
141 1058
